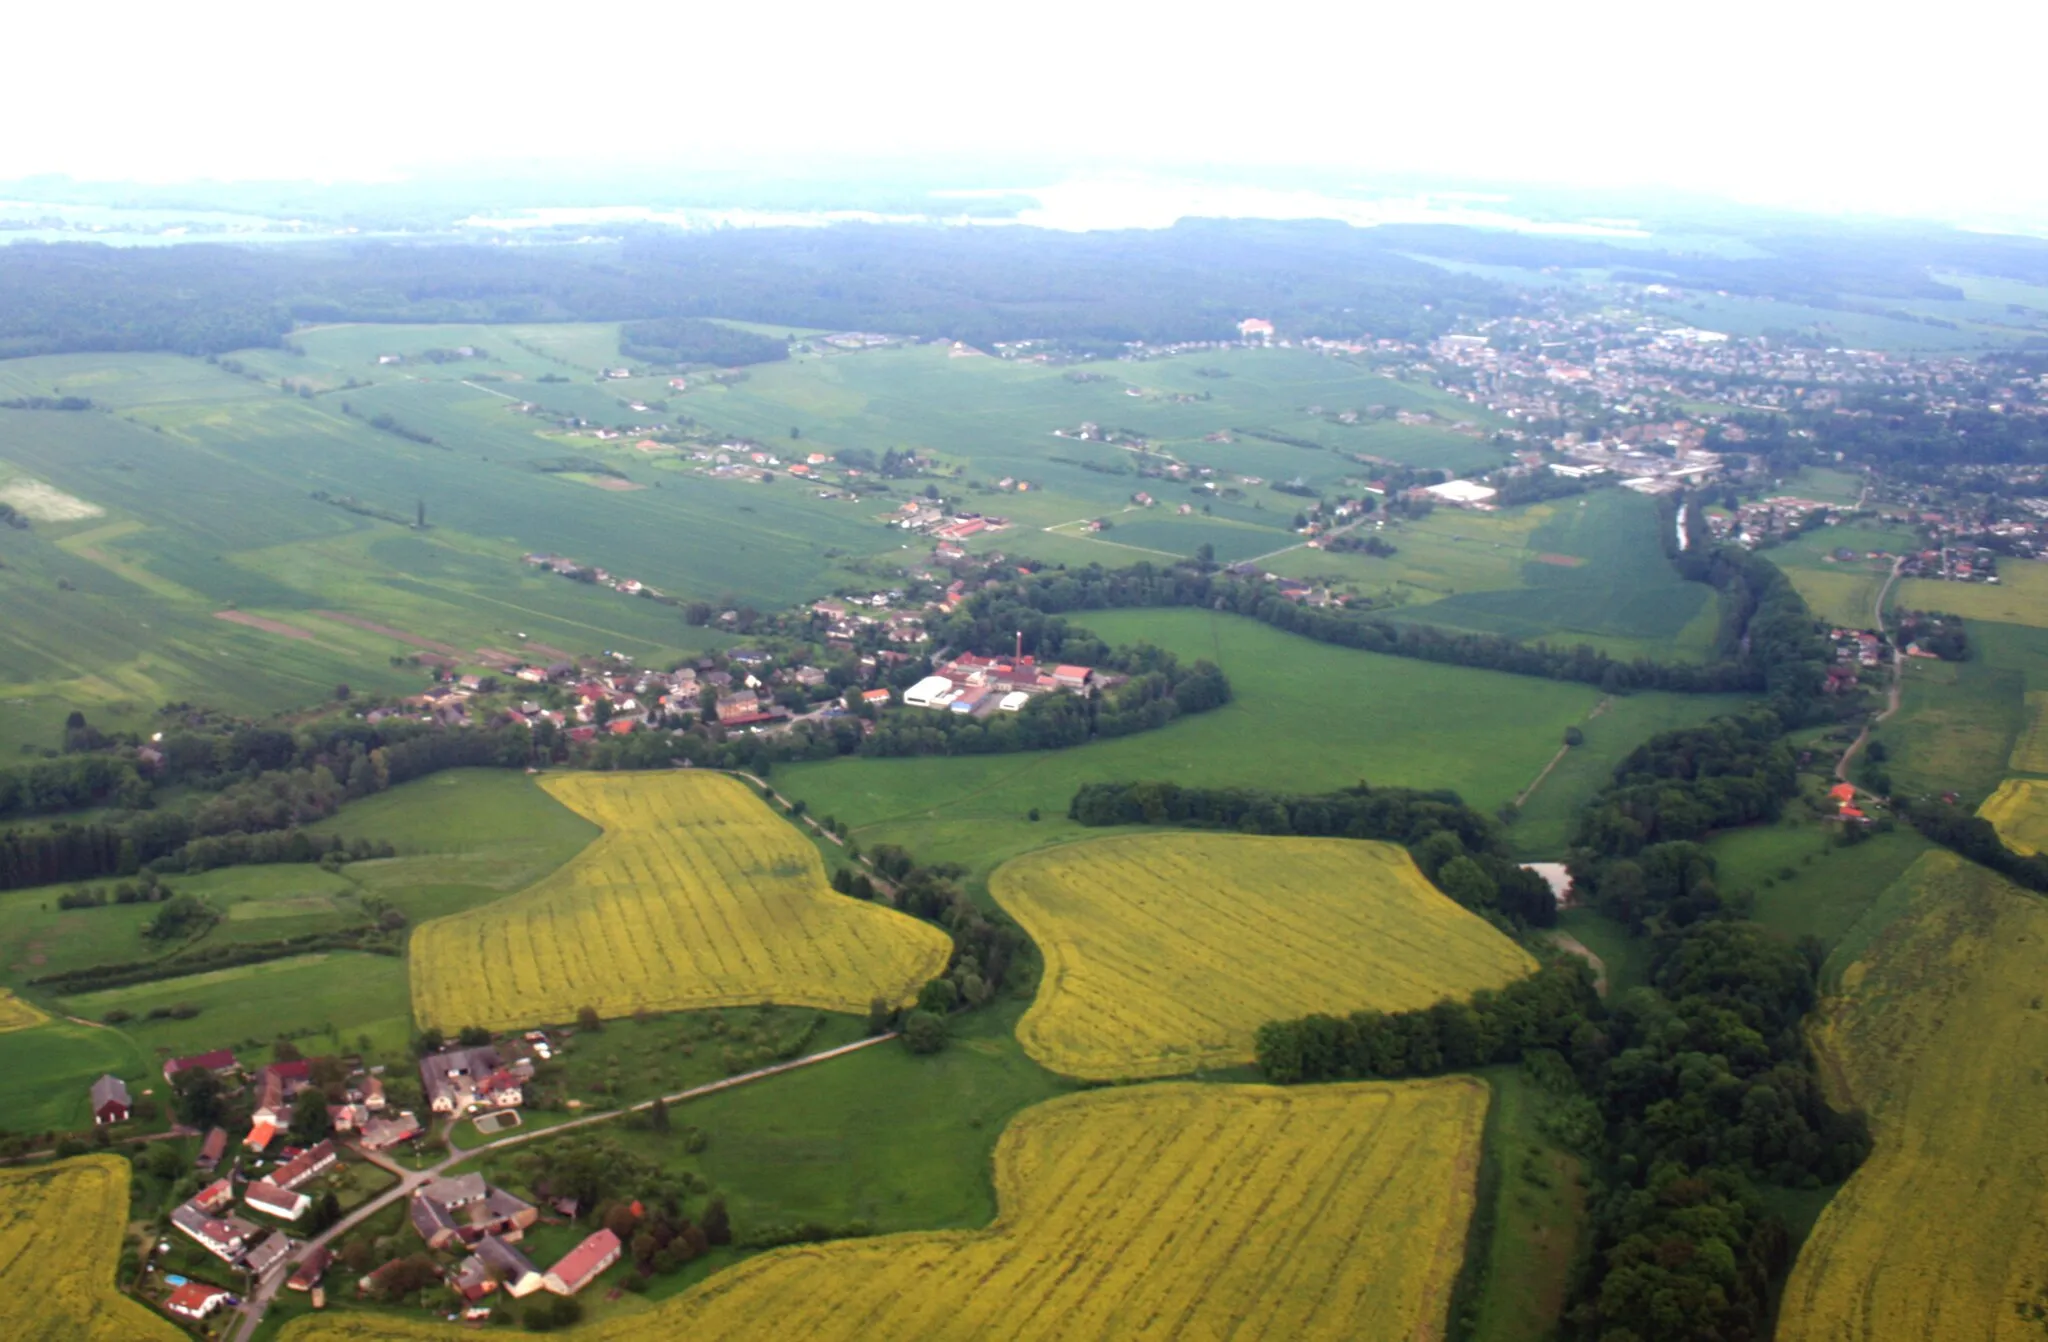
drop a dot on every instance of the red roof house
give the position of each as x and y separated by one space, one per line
582 1263
195 1300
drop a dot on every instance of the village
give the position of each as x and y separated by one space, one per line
326 1141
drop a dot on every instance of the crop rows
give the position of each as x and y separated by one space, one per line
2019 812
1166 952
1939 1034
1167 1211
2030 749
60 1235
697 895
16 1014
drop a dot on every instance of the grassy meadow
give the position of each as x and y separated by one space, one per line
1306 716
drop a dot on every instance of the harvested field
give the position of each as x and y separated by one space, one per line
60 1236
2019 812
1938 1034
1169 1211
1165 952
1561 561
696 896
16 1014
268 626
46 503
411 640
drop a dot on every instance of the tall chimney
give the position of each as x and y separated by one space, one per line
1020 645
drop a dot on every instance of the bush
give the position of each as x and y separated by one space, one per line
924 1032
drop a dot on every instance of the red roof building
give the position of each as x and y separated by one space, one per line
195 1300
582 1263
220 1060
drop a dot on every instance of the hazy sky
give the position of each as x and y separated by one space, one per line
1923 108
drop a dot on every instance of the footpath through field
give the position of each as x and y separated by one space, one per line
1898 677
411 1180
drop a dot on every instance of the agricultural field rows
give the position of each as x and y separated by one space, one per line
1938 1032
2030 748
1165 952
696 896
16 1014
1162 1211
2019 812
60 1235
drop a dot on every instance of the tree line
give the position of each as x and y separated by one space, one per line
684 340
1034 604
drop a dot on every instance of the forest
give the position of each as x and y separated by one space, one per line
1190 282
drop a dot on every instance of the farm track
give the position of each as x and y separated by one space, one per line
411 1180
1898 679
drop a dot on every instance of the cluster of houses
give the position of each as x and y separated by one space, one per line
458 1080
980 686
463 1212
592 573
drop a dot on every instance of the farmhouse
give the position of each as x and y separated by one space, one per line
195 1300
306 1166
513 1268
458 1079
311 1268
225 1237
212 1149
110 1100
266 1254
464 1209
221 1062
266 1197
387 1132
582 1263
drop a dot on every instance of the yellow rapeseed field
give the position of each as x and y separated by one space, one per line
2030 749
1162 1211
1940 1032
1165 952
696 895
2019 812
16 1014
60 1236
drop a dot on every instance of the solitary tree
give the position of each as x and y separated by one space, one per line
587 1019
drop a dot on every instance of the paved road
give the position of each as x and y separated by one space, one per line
266 1290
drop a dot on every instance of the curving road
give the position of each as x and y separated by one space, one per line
266 1289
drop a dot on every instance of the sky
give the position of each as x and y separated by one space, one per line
1910 109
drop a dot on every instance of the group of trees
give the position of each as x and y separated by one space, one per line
685 340
1461 851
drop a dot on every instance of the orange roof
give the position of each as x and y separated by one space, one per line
1852 813
1843 792
260 1135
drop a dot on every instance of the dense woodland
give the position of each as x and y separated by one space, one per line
1190 282
691 340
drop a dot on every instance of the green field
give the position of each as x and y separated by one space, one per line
342 996
46 1074
1956 725
1590 570
115 612
1804 882
1538 1202
1306 716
